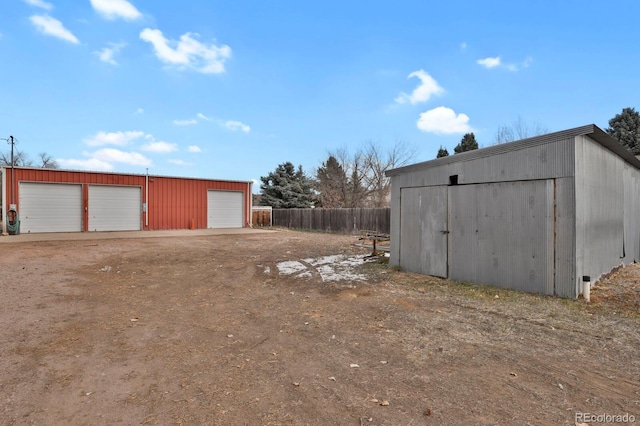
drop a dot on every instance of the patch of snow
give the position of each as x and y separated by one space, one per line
325 259
338 267
353 261
267 270
339 272
290 267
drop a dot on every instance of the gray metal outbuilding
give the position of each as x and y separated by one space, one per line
534 215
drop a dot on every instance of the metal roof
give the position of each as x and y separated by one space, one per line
590 130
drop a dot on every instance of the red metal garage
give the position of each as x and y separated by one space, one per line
49 200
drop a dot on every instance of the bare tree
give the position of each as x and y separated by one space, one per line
47 161
367 185
20 159
519 129
377 162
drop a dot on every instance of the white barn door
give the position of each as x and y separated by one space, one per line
225 209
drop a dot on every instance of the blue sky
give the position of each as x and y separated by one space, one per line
230 89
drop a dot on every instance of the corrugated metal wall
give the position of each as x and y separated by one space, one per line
549 160
631 179
511 216
593 220
502 234
607 202
552 159
565 236
173 202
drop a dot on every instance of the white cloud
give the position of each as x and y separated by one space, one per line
113 9
159 146
463 45
180 162
88 164
52 27
111 155
188 52
237 125
194 148
39 3
113 138
104 159
489 62
140 111
107 53
497 62
189 122
443 120
423 92
192 121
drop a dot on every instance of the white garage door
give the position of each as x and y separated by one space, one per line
50 207
225 209
115 208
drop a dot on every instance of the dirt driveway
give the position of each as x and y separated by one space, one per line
294 328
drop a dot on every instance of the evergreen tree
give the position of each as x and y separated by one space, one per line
625 128
287 188
357 193
442 152
331 183
468 143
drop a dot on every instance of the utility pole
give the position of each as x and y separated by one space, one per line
12 141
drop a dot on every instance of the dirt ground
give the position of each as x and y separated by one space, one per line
294 328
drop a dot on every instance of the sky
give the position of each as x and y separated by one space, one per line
231 89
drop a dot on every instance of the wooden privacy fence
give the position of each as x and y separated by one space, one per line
261 216
335 220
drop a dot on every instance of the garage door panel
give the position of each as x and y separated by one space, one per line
225 209
50 207
114 208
